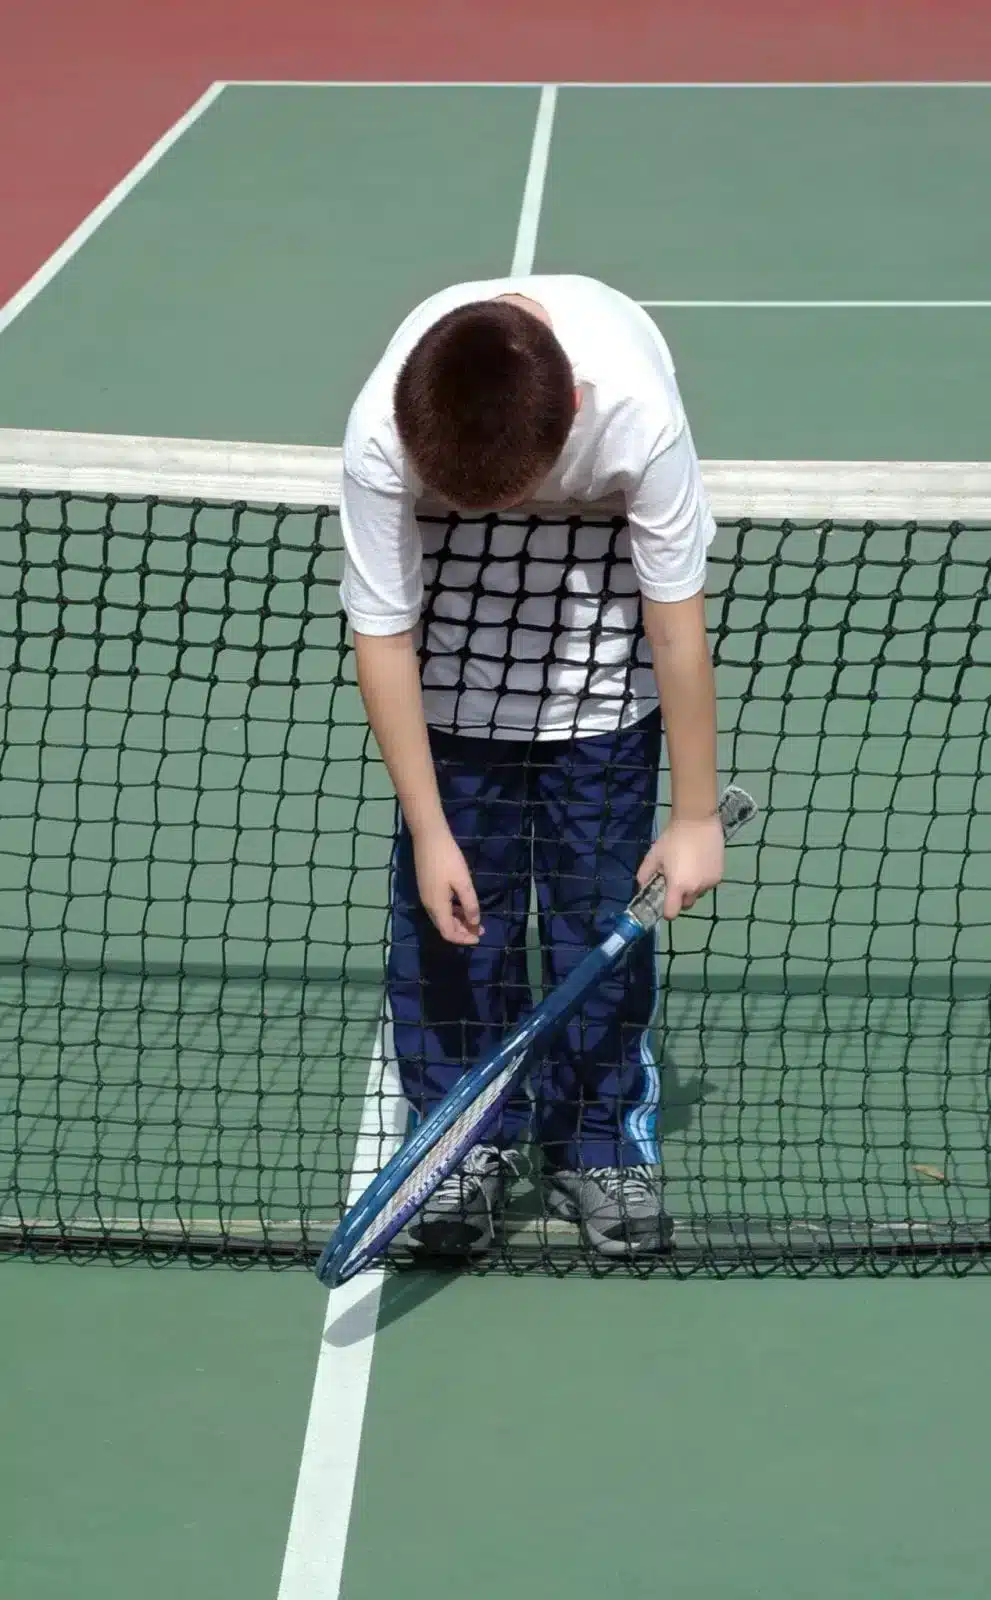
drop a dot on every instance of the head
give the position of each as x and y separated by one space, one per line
484 404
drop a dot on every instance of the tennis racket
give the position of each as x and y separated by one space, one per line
455 1126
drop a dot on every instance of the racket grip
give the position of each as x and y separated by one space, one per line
647 907
736 808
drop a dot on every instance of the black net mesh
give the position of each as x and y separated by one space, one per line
194 897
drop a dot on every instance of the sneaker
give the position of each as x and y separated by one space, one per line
459 1217
618 1209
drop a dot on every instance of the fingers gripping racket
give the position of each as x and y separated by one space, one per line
455 1126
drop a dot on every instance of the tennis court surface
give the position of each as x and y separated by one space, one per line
197 830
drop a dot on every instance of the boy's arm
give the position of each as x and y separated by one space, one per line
670 529
389 680
382 592
690 850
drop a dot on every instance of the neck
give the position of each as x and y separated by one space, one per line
533 307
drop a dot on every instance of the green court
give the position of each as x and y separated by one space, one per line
817 259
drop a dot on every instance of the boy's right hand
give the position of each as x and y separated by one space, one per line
445 886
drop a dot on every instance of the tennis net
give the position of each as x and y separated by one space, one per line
197 831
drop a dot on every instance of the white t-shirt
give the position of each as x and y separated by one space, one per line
533 629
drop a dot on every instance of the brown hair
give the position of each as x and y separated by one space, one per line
484 404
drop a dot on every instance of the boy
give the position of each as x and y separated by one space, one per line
505 667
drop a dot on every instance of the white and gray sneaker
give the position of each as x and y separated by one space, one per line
618 1209
459 1218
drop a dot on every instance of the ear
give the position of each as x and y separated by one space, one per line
578 400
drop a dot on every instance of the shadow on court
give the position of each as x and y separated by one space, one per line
680 1094
403 1293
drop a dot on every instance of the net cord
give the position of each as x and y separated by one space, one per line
186 470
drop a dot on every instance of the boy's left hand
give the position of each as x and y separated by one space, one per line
690 855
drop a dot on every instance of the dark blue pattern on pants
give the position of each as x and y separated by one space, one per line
574 818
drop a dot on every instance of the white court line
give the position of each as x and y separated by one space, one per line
533 189
819 305
75 241
318 1530
602 83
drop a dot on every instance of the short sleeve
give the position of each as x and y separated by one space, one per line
671 525
382 586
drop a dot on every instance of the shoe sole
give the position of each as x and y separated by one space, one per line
448 1239
602 1243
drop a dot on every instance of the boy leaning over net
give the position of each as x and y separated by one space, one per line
511 670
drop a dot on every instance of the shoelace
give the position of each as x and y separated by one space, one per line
631 1184
480 1163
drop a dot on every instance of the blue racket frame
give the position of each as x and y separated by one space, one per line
345 1254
